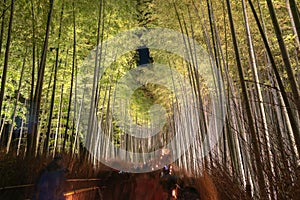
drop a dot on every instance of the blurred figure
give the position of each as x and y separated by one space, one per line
188 193
146 187
170 182
175 187
50 184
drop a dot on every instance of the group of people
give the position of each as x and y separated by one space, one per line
50 184
176 187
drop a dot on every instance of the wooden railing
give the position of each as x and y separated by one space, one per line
93 192
84 193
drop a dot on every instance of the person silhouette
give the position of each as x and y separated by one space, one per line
51 181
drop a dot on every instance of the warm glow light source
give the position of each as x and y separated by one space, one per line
174 193
171 169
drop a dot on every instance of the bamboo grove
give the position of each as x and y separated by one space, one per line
254 45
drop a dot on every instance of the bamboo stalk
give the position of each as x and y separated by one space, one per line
16 105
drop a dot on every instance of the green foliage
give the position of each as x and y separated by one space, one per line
120 15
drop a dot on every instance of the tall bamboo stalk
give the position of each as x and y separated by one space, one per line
6 56
253 136
33 126
16 105
290 113
285 57
2 25
93 109
296 16
46 144
72 81
58 120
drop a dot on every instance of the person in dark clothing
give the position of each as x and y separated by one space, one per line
188 193
169 181
50 184
175 187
